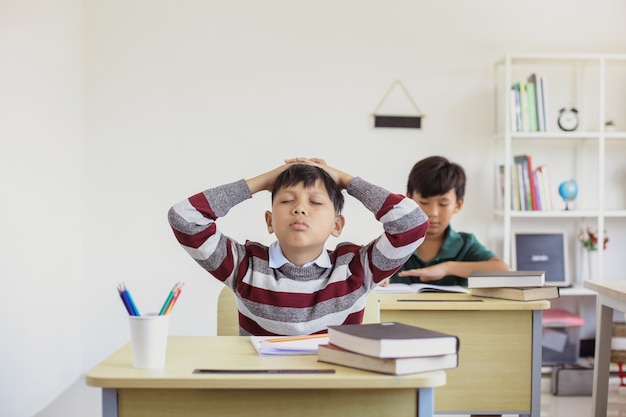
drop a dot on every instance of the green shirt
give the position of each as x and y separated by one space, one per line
457 246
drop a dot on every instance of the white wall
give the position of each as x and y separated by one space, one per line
183 95
41 70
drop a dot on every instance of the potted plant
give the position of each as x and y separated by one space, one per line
609 126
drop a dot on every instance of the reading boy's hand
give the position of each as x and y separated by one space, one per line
431 273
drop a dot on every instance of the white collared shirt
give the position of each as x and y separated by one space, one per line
277 258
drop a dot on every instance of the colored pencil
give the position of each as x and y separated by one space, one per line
173 301
170 298
125 301
293 338
128 300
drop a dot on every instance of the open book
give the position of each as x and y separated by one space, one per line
288 345
399 288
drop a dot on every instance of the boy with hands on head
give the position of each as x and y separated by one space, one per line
296 286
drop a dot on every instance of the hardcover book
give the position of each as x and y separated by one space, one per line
519 293
392 340
493 279
394 366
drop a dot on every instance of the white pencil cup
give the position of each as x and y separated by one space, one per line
148 338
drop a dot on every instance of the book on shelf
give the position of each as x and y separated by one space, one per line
544 187
540 100
499 191
532 104
395 366
392 340
534 192
528 105
529 182
524 104
518 187
516 109
493 279
526 197
518 293
400 288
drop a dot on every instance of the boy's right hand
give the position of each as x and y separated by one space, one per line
266 180
341 178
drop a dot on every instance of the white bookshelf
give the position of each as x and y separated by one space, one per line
595 84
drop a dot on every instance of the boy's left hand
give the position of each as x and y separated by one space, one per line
431 273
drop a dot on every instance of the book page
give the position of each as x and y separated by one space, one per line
288 345
399 288
424 287
395 288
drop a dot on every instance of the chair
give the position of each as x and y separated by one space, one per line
228 322
227 317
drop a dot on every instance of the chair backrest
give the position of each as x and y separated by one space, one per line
227 316
372 308
228 320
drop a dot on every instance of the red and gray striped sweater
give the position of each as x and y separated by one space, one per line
293 300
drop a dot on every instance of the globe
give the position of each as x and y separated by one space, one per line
568 190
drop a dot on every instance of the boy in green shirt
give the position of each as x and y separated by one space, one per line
446 257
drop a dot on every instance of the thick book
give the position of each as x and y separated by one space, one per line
400 288
518 293
394 366
392 340
493 279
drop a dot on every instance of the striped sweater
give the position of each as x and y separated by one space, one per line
292 300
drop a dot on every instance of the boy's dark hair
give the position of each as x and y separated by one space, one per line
434 176
308 175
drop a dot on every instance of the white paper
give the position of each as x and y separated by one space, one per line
287 346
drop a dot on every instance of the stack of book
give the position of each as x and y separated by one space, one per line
531 189
528 105
511 285
530 186
389 348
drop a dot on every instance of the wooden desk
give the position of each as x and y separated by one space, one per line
500 349
176 391
611 296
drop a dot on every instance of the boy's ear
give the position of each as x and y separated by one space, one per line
268 221
459 204
340 222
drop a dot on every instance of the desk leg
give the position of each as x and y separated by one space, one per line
425 402
535 373
602 359
109 402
